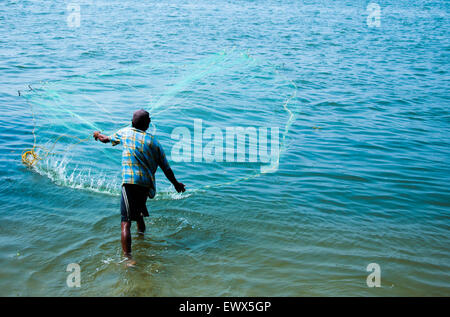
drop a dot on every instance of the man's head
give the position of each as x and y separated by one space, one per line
141 120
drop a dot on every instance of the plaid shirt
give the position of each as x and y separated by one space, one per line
141 156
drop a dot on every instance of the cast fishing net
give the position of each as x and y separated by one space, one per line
228 89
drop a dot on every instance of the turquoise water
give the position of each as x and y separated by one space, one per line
362 176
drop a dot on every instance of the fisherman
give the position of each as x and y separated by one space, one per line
141 156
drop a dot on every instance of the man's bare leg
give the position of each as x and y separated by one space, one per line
126 242
140 225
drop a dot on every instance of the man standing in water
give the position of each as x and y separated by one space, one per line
141 156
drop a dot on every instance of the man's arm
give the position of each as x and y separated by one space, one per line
179 187
101 137
162 162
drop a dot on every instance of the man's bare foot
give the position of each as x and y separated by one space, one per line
130 263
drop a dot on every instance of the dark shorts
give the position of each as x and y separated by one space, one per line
132 205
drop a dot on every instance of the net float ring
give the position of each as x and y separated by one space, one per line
30 158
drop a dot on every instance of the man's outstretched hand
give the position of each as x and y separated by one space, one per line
103 138
179 187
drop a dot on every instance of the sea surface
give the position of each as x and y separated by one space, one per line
357 98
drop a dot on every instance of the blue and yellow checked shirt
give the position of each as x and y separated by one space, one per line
141 156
